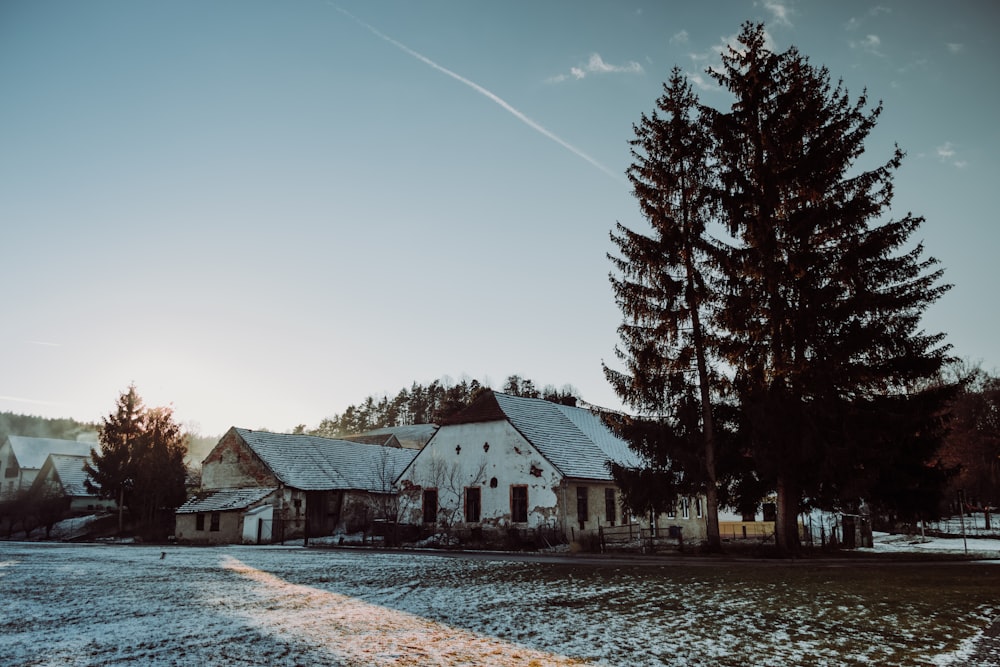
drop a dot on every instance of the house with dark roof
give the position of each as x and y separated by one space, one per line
22 458
64 474
314 487
513 466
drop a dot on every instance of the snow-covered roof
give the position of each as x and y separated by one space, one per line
575 440
312 463
70 471
414 436
222 500
32 452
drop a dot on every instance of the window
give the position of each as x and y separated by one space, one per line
11 470
430 505
581 505
697 507
672 511
610 507
519 504
215 521
473 506
770 512
199 522
685 508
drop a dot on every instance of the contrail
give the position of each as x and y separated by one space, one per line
18 399
482 91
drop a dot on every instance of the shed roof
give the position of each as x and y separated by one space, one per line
312 463
32 452
575 440
222 500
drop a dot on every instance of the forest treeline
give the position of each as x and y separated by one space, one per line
428 404
43 427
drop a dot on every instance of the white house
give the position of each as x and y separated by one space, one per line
512 466
22 457
64 474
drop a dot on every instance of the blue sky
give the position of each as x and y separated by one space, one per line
262 212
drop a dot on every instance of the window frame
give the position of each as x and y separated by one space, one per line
519 506
199 521
477 505
215 522
610 506
582 505
429 517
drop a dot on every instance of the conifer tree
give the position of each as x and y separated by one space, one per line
140 462
663 292
823 297
110 470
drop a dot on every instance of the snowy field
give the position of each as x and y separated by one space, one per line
66 604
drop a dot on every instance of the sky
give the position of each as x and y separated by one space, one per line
262 212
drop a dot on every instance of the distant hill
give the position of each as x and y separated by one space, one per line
43 427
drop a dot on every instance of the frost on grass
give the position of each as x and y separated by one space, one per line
99 605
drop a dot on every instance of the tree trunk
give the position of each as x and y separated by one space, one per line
713 538
786 529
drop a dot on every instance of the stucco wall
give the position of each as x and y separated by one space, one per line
596 507
10 478
230 528
231 464
491 456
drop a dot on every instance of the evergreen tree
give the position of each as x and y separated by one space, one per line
110 471
823 299
664 295
159 470
140 463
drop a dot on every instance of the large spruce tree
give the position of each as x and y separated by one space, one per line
811 296
823 295
663 293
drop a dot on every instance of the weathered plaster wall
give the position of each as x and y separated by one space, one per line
231 464
10 477
492 456
230 528
596 507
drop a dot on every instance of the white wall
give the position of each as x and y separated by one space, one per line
509 459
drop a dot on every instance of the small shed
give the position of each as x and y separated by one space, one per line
227 516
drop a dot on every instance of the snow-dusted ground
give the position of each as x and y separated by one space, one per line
63 604
981 548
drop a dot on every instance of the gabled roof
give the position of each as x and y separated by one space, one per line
312 463
574 440
32 452
223 500
70 473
